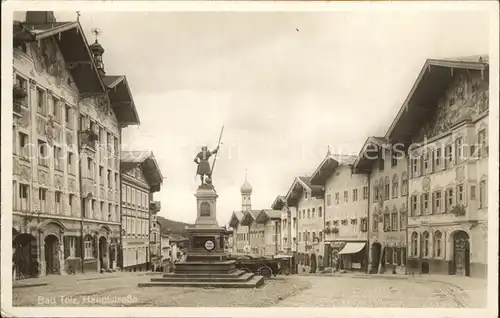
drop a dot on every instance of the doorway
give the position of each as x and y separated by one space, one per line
376 257
103 253
461 254
25 256
51 254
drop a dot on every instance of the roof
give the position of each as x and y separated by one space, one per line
73 45
328 166
266 215
121 99
297 189
150 168
364 160
236 217
279 202
249 216
434 77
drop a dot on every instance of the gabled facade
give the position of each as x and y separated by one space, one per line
346 212
66 215
140 179
387 170
240 233
308 200
288 237
271 221
255 239
448 168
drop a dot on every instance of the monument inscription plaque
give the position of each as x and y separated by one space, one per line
204 208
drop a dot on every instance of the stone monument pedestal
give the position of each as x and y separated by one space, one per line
207 267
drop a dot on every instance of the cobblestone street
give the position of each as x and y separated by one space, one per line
121 289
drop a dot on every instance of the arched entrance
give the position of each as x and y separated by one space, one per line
25 255
103 253
461 253
376 257
51 254
313 263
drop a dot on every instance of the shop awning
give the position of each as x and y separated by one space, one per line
352 247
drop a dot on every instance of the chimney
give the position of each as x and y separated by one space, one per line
40 17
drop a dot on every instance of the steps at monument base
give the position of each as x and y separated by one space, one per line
255 281
190 267
204 278
194 275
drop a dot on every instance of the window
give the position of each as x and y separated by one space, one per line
437 244
22 84
308 213
395 186
354 195
394 160
337 198
42 196
70 202
365 193
448 155
386 189
425 245
88 251
394 220
101 174
381 163
111 214
304 214
58 158
43 157
374 225
414 167
482 143
460 194
482 194
473 192
41 101
93 209
425 204
305 194
116 179
458 150
68 114
72 246
56 111
328 199
425 163
90 168
102 211
402 220
320 236
436 202
70 163
414 244
346 196
437 159
58 202
375 192
413 205
320 212
110 185
24 197
448 199
300 237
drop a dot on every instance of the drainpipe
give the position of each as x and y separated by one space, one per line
120 250
368 226
407 210
324 236
82 200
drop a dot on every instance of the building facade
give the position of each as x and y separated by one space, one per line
448 185
240 233
308 200
346 212
288 237
387 169
141 177
65 216
155 235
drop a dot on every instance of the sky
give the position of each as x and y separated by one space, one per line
285 85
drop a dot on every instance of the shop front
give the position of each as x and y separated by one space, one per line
353 256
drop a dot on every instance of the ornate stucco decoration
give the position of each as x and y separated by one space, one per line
69 138
58 182
25 172
24 120
72 185
49 130
459 174
102 192
15 166
43 178
426 184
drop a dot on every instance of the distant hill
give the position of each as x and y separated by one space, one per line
171 227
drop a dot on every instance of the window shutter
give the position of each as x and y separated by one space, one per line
66 246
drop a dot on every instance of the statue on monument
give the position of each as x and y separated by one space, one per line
201 160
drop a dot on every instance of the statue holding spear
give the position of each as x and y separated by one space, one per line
201 160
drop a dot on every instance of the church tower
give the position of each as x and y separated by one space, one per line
246 195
